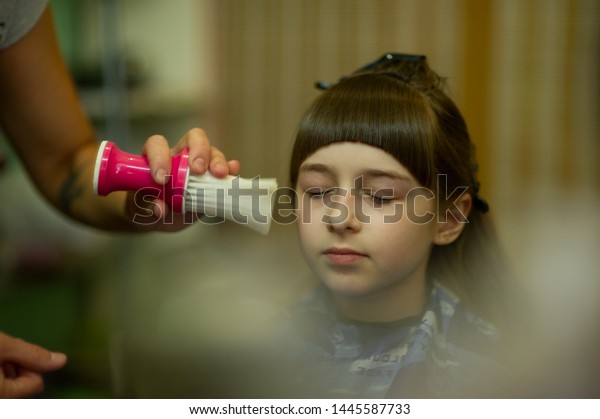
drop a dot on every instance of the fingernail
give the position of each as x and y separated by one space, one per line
57 357
160 175
199 164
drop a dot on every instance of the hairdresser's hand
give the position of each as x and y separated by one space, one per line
22 365
202 158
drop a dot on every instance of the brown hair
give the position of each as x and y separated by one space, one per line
399 106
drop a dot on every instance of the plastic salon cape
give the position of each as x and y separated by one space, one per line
447 351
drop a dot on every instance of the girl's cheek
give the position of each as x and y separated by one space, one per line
307 210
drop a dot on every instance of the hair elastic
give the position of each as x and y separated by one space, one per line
478 202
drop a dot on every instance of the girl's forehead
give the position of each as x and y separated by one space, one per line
353 157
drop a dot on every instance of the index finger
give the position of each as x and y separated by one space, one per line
29 356
156 149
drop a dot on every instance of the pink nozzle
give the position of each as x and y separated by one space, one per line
117 170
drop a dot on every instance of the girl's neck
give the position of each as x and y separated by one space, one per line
400 301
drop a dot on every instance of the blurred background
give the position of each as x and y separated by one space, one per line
167 315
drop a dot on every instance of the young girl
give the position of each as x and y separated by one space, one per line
413 295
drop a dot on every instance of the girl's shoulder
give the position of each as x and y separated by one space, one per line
454 312
464 332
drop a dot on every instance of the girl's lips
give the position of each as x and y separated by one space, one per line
338 256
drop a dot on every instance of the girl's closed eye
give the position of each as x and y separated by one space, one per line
377 197
384 196
315 180
382 188
317 191
381 199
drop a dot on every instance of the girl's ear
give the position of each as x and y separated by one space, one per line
452 222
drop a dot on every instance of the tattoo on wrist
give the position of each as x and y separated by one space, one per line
71 189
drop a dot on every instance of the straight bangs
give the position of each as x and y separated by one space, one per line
379 110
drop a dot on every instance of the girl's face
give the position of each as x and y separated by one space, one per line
361 231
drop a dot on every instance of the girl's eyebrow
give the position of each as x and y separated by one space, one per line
392 174
369 173
316 167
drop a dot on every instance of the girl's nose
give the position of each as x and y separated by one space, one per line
340 214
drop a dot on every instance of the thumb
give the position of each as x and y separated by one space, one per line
25 384
29 356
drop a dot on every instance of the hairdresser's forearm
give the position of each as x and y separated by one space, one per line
73 194
41 115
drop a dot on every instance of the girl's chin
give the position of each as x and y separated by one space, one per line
349 290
